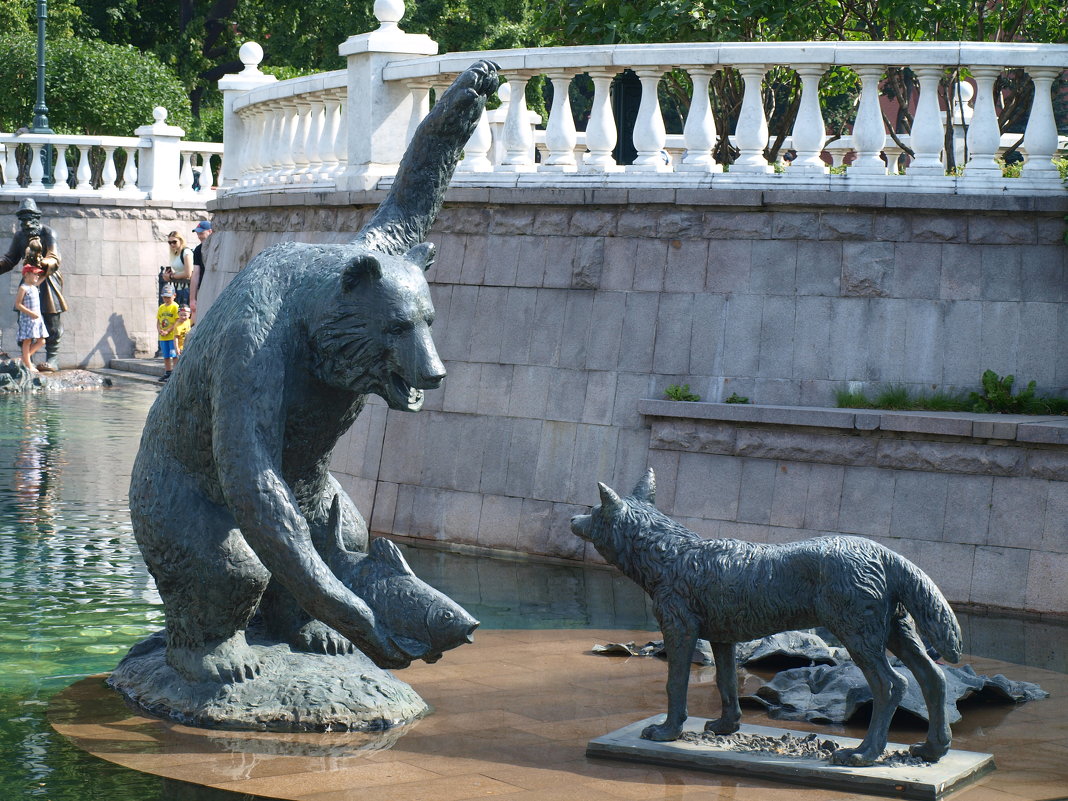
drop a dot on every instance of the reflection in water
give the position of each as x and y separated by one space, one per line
37 468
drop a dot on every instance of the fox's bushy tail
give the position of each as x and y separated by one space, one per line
928 607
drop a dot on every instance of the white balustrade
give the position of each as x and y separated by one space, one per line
305 118
699 132
560 134
810 132
649 132
984 137
751 135
1040 136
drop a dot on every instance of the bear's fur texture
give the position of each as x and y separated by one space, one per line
727 591
231 494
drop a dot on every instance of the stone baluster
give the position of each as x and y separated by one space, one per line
315 127
185 175
984 134
810 131
11 166
476 151
560 135
108 175
1040 135
60 171
518 138
342 146
129 171
84 172
36 169
207 177
328 137
869 131
287 126
699 133
928 131
300 140
601 128
250 175
649 132
268 145
751 134
420 105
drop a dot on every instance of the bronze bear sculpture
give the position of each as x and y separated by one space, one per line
231 495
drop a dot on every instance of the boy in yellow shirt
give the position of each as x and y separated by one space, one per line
166 322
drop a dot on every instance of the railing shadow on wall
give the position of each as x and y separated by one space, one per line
154 164
299 134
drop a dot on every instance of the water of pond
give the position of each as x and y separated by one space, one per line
75 593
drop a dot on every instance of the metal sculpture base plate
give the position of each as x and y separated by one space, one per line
295 692
927 781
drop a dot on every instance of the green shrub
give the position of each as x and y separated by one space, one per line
91 87
681 393
736 398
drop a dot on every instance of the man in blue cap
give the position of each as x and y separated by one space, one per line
203 231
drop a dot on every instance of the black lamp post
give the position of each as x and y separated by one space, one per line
40 111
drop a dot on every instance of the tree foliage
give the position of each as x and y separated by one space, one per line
90 88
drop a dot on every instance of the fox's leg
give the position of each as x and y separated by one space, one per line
905 643
887 689
727 680
679 644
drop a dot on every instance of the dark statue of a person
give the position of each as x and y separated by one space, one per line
53 304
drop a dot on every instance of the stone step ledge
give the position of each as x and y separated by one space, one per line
1048 430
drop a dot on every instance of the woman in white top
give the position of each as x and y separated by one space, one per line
180 270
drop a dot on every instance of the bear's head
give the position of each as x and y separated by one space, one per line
373 337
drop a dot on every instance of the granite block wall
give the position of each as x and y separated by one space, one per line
558 312
111 251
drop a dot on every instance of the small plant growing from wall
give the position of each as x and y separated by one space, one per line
676 392
996 395
736 398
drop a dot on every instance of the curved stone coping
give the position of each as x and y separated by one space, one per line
1051 430
613 191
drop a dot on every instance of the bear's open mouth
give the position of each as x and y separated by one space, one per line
403 395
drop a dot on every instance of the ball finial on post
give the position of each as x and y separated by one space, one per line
389 13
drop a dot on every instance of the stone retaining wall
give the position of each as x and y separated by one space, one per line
559 310
979 501
111 251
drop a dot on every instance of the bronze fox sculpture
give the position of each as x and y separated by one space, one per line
727 591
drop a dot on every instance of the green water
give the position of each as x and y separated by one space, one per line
74 593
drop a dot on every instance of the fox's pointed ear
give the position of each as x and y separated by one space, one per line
334 524
645 489
610 502
422 255
364 266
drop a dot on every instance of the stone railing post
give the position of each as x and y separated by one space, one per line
560 135
751 133
1040 135
869 130
699 133
810 131
649 134
928 131
377 132
235 130
984 136
601 128
161 158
